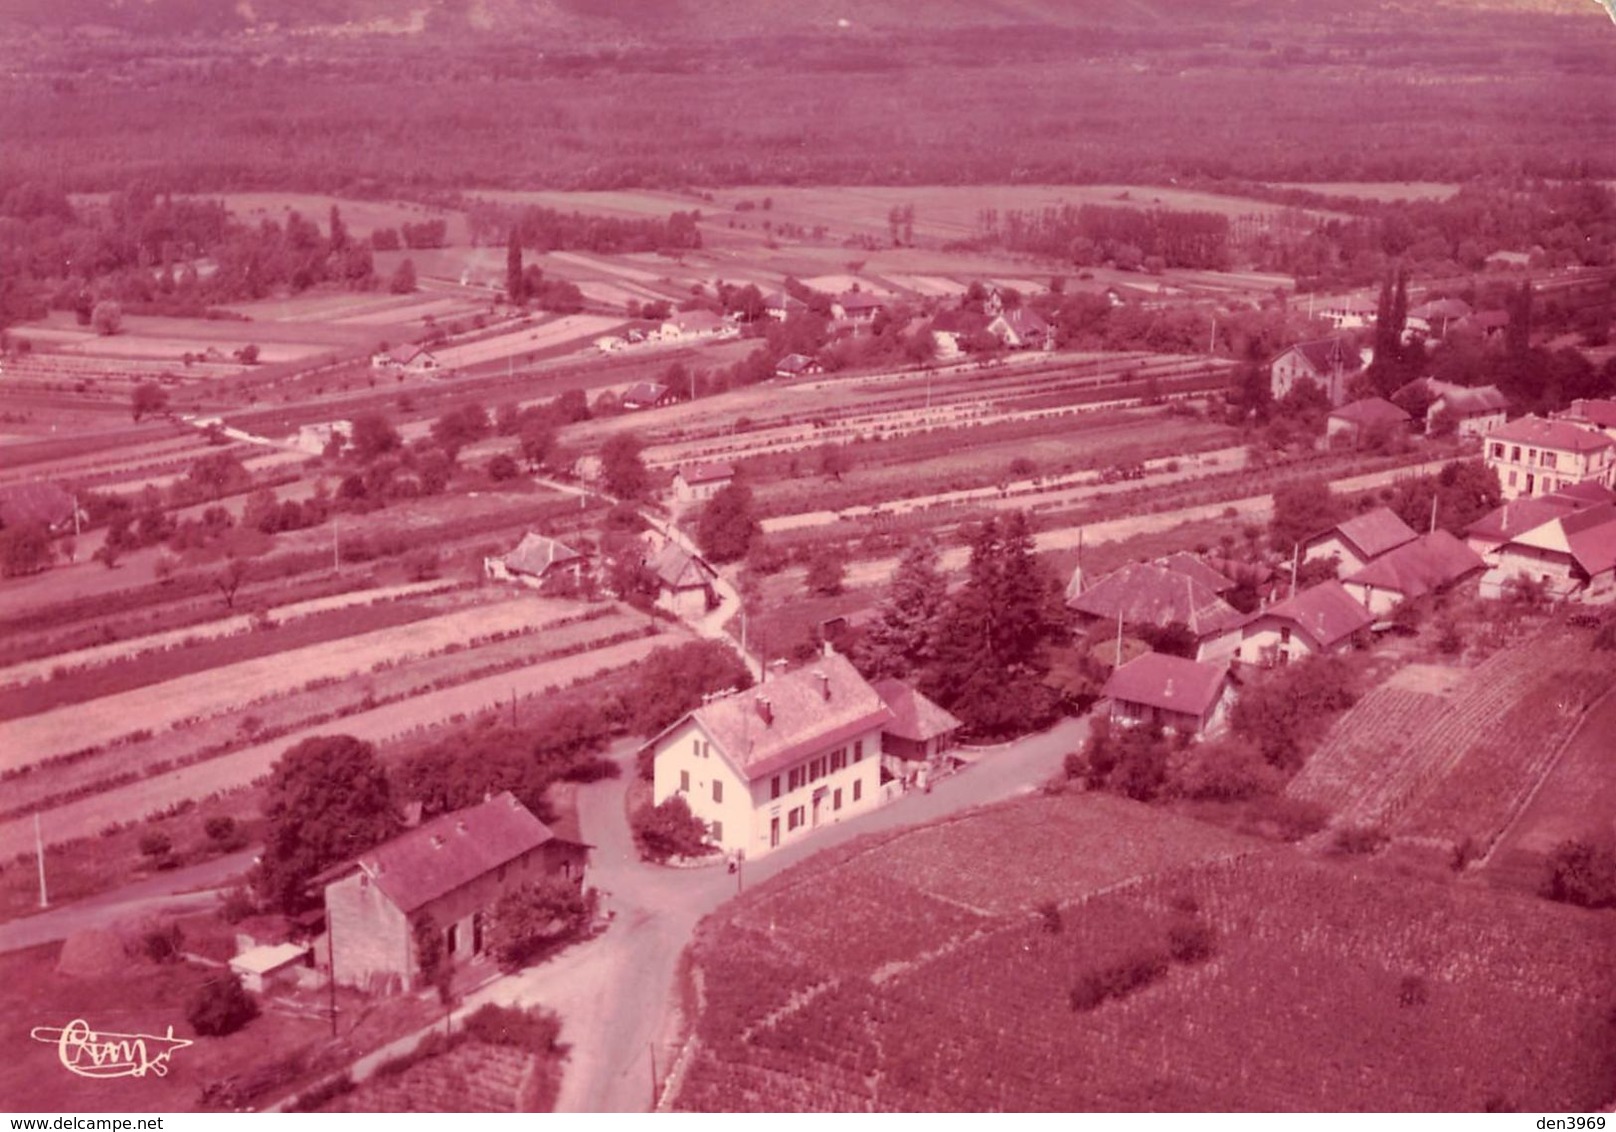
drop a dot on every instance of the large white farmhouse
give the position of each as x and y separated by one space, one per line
769 765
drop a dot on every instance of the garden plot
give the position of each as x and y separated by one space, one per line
99 722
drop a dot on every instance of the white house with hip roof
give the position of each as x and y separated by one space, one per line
768 766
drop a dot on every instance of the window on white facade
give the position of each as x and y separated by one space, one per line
718 791
774 787
684 782
858 750
858 789
718 830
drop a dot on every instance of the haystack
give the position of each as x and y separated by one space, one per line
92 954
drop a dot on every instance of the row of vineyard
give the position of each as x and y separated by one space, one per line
1315 987
1457 768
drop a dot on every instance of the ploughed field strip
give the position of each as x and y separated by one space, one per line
1456 767
160 788
1256 979
38 737
330 701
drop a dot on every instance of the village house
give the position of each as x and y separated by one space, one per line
780 306
1160 595
797 365
1532 456
1319 621
537 561
1433 319
1330 364
697 483
648 395
443 877
1517 516
406 358
685 581
1570 555
1350 312
695 325
856 306
1432 563
1177 695
1022 328
766 767
1474 411
1356 542
915 742
1360 422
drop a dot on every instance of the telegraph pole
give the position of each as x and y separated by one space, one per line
39 851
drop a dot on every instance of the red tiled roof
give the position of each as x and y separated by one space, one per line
802 717
1327 613
1521 515
535 554
1560 435
707 473
451 851
1591 534
1429 563
914 717
1169 683
1183 562
1373 533
1149 594
678 569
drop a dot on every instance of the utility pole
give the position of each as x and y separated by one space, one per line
39 852
652 1047
331 979
336 544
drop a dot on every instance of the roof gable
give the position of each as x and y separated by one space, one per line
1372 533
535 554
1169 683
914 717
1146 593
451 851
787 718
1560 435
1327 613
1429 563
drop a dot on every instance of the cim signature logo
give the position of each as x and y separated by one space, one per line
94 1053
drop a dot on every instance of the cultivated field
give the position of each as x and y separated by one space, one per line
1455 766
1230 980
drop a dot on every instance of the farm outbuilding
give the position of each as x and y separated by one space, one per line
270 966
442 877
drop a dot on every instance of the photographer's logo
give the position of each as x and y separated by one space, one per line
98 1053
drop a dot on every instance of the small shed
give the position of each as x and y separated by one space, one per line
272 965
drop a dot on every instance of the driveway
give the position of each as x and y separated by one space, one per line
615 993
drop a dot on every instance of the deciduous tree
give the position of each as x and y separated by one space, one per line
327 801
727 526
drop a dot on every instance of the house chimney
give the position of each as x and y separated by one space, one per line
765 710
777 668
1168 691
437 841
460 828
824 683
